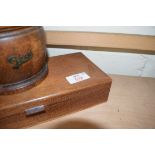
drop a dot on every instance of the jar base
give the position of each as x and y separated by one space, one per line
24 85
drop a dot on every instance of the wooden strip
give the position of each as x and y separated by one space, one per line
101 41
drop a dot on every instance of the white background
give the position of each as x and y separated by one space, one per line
81 13
114 62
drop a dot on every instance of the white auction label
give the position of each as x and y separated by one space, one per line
77 77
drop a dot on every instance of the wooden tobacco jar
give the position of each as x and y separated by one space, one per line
23 58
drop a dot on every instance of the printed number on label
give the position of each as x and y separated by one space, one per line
77 77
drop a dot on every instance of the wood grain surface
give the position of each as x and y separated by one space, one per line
101 41
55 95
23 58
131 104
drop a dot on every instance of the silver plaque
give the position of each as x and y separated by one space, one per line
35 110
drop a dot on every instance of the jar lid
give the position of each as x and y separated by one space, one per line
6 31
11 28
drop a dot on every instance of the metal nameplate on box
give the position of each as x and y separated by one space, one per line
35 110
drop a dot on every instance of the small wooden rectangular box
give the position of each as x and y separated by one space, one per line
55 96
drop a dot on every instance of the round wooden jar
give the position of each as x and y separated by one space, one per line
23 58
